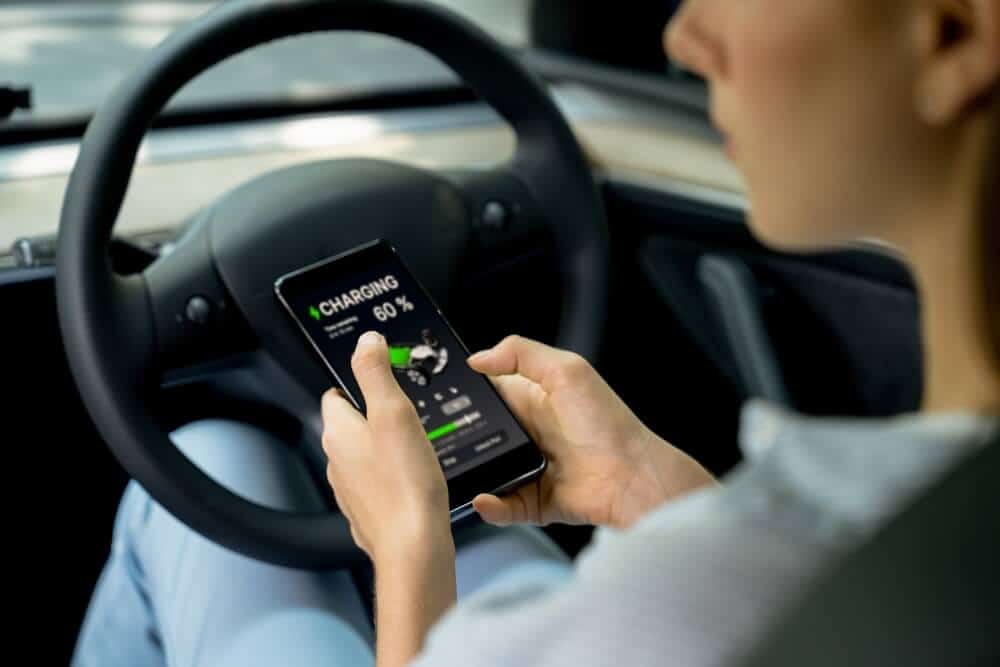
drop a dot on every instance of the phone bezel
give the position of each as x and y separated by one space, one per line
503 473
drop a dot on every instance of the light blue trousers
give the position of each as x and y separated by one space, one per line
168 596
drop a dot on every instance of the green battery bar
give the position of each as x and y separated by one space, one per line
441 430
399 355
448 428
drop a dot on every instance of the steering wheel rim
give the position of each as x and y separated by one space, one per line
106 318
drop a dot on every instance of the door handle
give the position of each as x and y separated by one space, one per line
734 297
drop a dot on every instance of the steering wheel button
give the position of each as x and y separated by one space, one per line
198 310
494 215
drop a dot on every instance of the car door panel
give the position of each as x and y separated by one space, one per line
842 326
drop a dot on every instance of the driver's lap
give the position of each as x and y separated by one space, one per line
167 591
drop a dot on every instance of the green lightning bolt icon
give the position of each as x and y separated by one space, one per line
314 313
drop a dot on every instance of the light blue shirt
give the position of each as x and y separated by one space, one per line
696 581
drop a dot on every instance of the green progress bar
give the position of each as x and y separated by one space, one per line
441 430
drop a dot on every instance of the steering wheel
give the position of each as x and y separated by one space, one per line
212 296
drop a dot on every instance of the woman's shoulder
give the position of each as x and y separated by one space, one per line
834 480
809 488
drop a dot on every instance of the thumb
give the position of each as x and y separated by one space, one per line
373 372
493 510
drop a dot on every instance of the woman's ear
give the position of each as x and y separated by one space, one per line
958 45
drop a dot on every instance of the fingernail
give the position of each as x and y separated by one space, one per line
369 339
478 356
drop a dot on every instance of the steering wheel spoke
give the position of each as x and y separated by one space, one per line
194 317
503 209
133 345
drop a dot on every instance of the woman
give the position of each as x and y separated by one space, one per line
848 118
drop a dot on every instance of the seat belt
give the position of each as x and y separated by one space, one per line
925 590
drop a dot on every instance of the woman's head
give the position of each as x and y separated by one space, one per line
846 117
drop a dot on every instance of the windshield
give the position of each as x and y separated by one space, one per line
72 54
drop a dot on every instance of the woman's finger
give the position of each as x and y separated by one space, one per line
373 372
493 510
341 420
522 395
518 355
520 506
337 408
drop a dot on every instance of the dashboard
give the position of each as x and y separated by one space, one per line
181 170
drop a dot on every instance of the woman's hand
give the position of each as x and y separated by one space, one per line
604 466
384 473
388 482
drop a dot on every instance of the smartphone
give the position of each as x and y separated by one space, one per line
481 446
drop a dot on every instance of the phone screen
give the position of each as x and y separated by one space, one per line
466 421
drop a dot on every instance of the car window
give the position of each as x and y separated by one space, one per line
606 33
71 55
